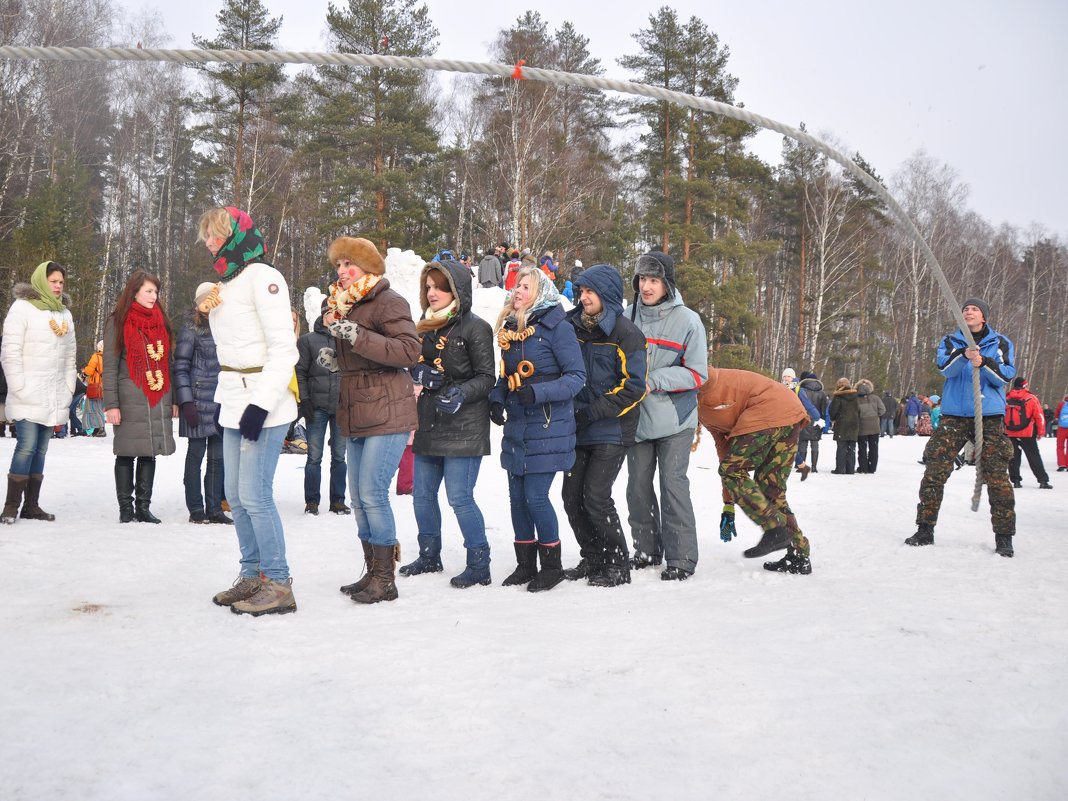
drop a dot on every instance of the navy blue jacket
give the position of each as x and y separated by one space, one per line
196 375
616 366
540 438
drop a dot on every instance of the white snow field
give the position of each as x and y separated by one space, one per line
889 673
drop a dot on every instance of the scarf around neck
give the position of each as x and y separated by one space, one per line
342 300
433 320
46 301
144 333
244 246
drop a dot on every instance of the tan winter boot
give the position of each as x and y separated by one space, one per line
244 587
382 586
361 584
31 509
16 485
273 598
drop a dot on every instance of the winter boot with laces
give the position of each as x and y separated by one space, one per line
924 535
244 587
272 598
382 586
477 570
429 559
614 572
551 572
793 562
16 486
675 573
31 509
339 508
643 560
774 539
526 557
584 569
1003 545
361 584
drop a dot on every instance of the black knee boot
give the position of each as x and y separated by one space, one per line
146 474
124 487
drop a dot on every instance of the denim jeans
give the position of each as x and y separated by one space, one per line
886 426
211 501
76 428
372 461
30 448
531 508
317 427
249 470
460 474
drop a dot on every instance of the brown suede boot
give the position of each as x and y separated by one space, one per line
272 598
16 485
382 586
244 588
361 584
31 510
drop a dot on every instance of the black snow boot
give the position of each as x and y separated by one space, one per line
124 488
1003 545
580 571
526 556
774 539
793 562
924 535
146 477
429 559
614 572
551 572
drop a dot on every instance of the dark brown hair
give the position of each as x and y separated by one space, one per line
126 299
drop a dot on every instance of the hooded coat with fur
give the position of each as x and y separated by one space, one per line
467 361
870 406
39 366
845 414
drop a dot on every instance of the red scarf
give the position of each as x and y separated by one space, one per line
144 330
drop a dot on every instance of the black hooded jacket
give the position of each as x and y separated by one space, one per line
466 354
314 381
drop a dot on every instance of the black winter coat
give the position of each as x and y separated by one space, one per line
314 381
845 413
467 360
196 375
813 388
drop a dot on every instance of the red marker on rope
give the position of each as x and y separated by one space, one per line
517 73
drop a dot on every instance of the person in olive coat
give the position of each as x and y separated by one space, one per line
455 371
845 414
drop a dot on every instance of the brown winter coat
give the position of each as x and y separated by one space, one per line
376 389
736 402
845 414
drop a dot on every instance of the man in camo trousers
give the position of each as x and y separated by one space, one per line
994 358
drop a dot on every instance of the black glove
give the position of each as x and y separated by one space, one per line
582 418
190 413
252 420
307 411
525 395
450 401
497 413
427 376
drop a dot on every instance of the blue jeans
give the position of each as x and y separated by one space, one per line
372 461
531 508
886 426
30 448
460 474
211 501
249 469
313 467
76 428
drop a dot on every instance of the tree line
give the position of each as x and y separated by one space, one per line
106 167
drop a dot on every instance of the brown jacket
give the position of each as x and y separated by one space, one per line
376 389
736 402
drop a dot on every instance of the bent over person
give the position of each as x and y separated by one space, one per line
756 424
994 358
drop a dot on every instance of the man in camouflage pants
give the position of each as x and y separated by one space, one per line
994 357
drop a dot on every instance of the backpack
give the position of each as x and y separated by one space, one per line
1016 417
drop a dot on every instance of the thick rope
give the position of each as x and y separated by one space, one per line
522 72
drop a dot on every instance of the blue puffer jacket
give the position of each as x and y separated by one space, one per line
196 374
615 356
997 371
540 438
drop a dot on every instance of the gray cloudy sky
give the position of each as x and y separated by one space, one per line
979 85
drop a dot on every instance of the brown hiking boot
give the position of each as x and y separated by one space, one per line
16 485
273 598
244 587
361 584
382 586
31 509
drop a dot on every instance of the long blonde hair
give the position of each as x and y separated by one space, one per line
520 315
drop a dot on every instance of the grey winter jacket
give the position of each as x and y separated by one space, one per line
314 381
678 366
145 430
489 271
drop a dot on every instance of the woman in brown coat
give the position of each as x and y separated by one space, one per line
756 423
376 343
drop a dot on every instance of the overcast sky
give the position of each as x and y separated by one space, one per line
980 85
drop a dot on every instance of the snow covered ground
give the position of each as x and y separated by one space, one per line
889 673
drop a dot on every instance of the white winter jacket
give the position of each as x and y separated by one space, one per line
38 364
253 328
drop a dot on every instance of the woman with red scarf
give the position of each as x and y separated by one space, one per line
137 392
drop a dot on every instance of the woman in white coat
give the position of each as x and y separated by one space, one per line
252 324
38 360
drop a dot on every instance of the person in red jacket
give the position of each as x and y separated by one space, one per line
1061 416
1025 424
